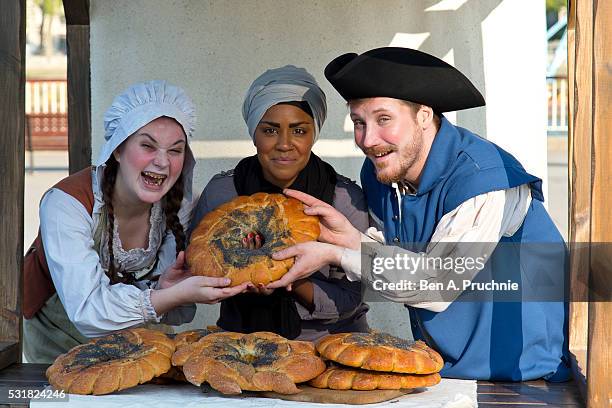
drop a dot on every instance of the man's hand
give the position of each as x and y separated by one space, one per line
335 228
174 274
309 258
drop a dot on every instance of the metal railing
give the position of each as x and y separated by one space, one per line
557 104
46 96
46 114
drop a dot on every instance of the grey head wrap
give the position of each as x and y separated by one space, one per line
139 105
284 84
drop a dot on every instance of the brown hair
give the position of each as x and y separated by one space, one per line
171 204
412 105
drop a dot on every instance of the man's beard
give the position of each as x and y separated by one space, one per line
408 156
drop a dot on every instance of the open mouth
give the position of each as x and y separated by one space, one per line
384 153
153 179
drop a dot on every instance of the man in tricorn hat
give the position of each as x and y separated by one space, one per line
429 182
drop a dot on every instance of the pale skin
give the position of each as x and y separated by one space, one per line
158 148
397 138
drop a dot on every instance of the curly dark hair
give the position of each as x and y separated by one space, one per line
171 204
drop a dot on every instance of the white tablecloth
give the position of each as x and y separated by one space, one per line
448 394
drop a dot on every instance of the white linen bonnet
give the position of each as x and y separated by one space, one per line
142 103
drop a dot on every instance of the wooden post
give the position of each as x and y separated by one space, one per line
599 374
579 125
12 120
590 65
79 84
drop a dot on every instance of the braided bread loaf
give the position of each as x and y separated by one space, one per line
191 336
112 363
345 378
262 361
181 340
380 352
216 243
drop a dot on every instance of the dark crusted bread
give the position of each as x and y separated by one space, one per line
262 361
216 248
112 363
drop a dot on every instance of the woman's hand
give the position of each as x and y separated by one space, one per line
194 289
174 274
309 258
205 289
335 228
253 240
259 289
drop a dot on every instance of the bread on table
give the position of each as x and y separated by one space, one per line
349 378
182 339
380 352
262 361
191 336
113 362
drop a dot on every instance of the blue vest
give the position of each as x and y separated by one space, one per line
497 340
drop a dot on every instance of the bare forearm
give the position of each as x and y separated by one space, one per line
164 300
303 290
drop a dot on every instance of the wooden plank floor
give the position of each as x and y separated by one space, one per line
490 394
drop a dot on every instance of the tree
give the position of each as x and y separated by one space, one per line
50 10
555 5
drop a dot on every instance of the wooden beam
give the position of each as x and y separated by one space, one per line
76 12
599 371
79 98
579 130
590 66
12 136
79 84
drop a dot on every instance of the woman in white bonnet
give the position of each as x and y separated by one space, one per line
284 110
114 234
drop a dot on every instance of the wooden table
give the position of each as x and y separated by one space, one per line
490 394
528 394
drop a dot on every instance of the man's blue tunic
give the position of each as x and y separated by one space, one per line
482 339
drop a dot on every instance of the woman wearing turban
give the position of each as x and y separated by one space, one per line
284 110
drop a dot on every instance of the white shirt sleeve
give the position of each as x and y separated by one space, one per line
480 221
91 303
166 256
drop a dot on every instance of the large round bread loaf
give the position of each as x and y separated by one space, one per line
181 340
262 361
380 352
348 378
185 338
112 363
216 248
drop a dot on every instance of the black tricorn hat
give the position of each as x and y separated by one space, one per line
403 73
